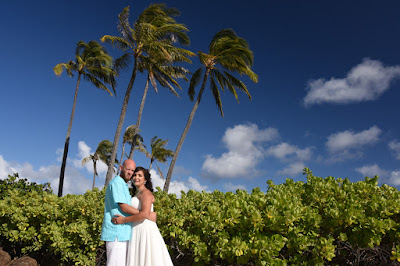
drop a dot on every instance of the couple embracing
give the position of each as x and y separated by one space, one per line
129 225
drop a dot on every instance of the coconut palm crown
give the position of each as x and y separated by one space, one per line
227 53
158 153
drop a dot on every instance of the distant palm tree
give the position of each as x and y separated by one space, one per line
152 35
136 142
132 138
127 135
102 153
233 54
94 64
159 153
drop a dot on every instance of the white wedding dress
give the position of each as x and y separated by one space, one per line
146 247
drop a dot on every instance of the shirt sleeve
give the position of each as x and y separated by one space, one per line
118 190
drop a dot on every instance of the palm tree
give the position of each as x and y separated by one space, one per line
159 153
153 35
127 136
136 142
102 153
93 64
163 72
227 52
132 138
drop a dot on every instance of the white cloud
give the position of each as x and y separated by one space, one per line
394 145
394 178
180 170
346 140
292 169
292 154
365 82
285 151
85 151
244 152
241 138
231 187
6 169
59 153
390 177
372 170
74 182
177 186
194 184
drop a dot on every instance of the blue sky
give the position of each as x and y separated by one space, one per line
327 97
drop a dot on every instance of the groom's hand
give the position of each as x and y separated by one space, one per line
118 219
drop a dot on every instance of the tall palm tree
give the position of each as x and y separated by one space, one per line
102 153
163 72
153 34
227 53
93 63
159 153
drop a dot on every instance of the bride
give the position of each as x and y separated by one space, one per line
146 247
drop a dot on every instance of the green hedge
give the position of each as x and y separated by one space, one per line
321 221
50 228
324 221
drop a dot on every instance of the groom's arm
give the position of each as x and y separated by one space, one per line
126 208
145 213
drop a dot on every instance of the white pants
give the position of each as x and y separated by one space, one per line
116 252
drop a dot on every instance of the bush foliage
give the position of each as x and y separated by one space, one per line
324 221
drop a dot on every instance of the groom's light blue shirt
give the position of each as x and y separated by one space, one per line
117 192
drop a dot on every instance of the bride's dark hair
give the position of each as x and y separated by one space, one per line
147 176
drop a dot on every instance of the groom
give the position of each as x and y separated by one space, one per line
117 201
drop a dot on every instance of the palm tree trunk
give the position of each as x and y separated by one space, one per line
66 145
94 174
185 131
139 117
110 170
122 157
151 163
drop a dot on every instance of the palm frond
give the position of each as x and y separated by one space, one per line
194 81
86 159
160 172
117 42
151 78
158 152
215 91
104 151
58 69
222 81
236 83
122 62
96 82
123 26
130 131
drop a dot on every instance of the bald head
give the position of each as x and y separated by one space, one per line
127 169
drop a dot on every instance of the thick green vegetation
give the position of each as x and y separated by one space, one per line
323 221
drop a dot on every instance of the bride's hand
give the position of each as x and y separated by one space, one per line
118 220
